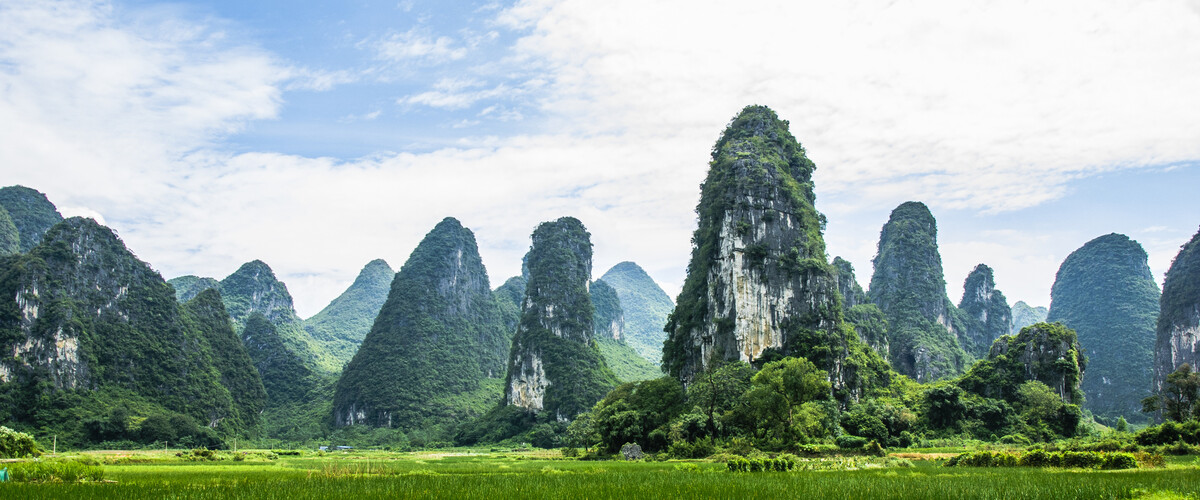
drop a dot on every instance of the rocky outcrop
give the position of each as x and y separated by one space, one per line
31 212
758 280
852 293
554 365
909 287
438 338
646 307
1178 332
1024 315
986 312
343 324
1045 352
1106 292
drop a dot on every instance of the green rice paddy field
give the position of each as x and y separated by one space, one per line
500 476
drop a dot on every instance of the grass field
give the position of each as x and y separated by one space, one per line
542 475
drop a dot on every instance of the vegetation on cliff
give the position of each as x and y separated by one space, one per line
1024 315
103 352
759 234
908 286
31 212
1106 293
985 314
437 342
1178 331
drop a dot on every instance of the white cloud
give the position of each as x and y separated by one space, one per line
417 45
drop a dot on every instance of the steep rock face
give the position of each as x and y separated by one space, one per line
188 287
31 213
286 377
985 310
253 288
758 279
85 314
1024 315
342 325
10 238
554 366
1106 292
1178 332
439 336
868 321
608 318
646 308
1048 353
909 287
852 293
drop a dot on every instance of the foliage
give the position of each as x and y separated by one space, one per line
31 213
1180 397
1041 458
343 324
638 412
1046 352
14 444
625 362
187 287
437 340
1106 292
10 238
1170 433
781 397
909 287
646 307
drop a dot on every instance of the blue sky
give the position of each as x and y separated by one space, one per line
317 136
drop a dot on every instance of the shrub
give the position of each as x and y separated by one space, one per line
873 448
1034 458
570 452
1114 461
1150 459
15 444
849 442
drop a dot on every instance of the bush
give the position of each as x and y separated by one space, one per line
849 442
15 444
570 452
1150 459
873 448
1113 461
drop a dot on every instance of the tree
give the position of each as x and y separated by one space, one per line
718 390
1178 401
779 393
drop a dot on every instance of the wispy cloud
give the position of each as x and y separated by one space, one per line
417 45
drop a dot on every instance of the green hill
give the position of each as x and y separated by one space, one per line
1106 292
436 353
646 307
341 326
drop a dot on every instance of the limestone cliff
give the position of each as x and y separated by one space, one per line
188 287
438 340
10 237
554 366
985 310
609 318
83 314
852 293
1106 292
909 287
758 280
1178 329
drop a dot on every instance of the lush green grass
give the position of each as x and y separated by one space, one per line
500 476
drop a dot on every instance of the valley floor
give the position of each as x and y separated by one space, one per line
544 474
